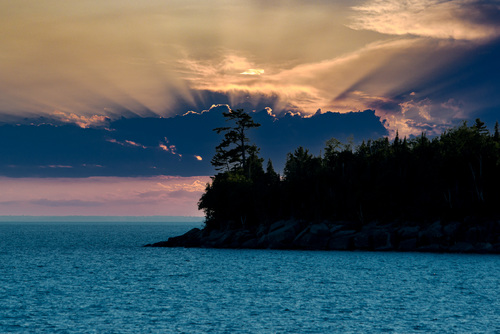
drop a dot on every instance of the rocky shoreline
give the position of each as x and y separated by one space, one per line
468 236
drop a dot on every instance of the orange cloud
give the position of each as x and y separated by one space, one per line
253 71
167 147
461 19
82 120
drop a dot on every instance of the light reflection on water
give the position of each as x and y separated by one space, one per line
97 278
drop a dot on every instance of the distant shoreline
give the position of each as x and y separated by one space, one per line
104 219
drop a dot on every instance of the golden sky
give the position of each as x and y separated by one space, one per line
93 57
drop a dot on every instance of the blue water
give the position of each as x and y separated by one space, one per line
95 278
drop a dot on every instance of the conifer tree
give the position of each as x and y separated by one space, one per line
233 152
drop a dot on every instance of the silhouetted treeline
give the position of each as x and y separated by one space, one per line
452 176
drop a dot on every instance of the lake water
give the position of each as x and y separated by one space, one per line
96 278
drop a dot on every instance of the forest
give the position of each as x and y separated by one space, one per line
449 177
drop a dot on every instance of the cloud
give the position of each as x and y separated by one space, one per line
304 87
125 143
81 120
130 142
457 19
253 71
167 147
112 58
380 76
56 166
145 146
196 186
87 63
424 115
63 203
433 48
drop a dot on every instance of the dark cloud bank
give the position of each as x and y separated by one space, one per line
164 146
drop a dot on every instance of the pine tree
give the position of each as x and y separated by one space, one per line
233 152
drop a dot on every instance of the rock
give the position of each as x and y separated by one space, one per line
308 240
301 234
344 233
471 235
373 237
315 236
362 240
335 228
462 247
238 239
277 225
342 240
476 234
484 247
226 238
408 232
432 248
482 237
192 238
319 229
158 244
282 235
216 239
342 243
382 240
251 243
431 235
262 242
451 229
408 245
262 230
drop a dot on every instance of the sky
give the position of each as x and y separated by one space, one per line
97 97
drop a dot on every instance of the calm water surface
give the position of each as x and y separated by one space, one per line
96 278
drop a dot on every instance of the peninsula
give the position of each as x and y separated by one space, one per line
419 194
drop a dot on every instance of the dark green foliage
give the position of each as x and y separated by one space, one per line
449 177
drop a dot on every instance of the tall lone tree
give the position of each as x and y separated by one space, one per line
233 152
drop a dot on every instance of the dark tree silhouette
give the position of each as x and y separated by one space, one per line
230 200
450 177
234 150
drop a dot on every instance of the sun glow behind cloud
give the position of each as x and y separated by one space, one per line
253 71
89 60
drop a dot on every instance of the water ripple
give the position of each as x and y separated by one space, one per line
88 278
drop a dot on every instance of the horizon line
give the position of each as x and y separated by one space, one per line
97 218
